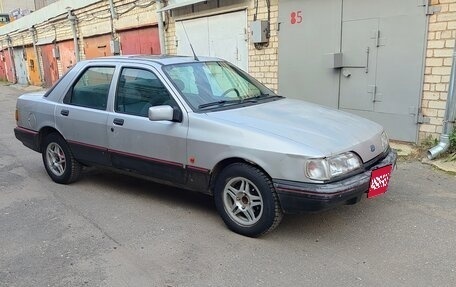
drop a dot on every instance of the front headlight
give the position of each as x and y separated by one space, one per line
327 168
385 141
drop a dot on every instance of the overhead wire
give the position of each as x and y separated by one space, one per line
102 14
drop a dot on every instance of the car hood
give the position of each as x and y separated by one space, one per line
328 130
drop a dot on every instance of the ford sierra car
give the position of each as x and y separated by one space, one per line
204 125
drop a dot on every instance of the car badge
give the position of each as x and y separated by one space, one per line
372 147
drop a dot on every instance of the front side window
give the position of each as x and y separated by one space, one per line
215 84
92 88
138 90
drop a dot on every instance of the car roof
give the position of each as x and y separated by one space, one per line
159 59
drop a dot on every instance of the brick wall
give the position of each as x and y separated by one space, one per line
441 41
263 64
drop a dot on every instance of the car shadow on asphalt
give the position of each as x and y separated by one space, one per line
133 184
299 226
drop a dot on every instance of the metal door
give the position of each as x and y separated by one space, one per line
365 57
222 36
357 84
140 41
33 66
20 65
98 46
3 66
10 75
51 72
67 56
394 33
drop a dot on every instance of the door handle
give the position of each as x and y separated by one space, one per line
65 112
118 122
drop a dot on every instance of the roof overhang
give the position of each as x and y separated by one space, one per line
44 41
180 3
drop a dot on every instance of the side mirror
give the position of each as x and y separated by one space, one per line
165 113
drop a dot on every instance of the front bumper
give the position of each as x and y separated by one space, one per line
299 197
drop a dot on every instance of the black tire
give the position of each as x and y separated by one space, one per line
58 160
246 200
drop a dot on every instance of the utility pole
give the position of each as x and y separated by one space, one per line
161 28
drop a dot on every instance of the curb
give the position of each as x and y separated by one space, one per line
448 166
405 150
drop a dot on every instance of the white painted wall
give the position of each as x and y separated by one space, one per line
221 36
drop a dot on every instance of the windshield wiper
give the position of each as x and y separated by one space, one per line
261 96
240 101
218 103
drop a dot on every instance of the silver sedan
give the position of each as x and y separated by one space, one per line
205 125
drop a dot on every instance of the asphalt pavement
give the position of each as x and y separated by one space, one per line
110 229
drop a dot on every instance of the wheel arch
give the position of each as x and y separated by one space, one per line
43 133
228 161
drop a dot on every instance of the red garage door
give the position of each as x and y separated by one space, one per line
140 41
2 67
67 56
98 46
10 76
51 71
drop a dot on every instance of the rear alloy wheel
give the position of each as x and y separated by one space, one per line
246 200
59 161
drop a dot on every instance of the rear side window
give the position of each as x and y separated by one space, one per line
92 88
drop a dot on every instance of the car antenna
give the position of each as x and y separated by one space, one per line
191 46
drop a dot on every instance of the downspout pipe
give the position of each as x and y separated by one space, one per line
449 119
161 28
73 21
113 9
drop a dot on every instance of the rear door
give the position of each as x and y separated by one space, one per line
152 148
82 116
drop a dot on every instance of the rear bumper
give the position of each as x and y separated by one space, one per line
28 137
298 197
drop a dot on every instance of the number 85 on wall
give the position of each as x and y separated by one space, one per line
295 17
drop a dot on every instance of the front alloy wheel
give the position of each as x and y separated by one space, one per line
246 200
243 201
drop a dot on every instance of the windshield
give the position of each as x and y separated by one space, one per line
208 85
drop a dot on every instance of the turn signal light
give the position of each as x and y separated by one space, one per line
17 115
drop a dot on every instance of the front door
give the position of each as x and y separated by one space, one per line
362 56
153 148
